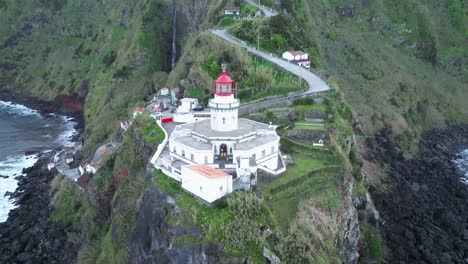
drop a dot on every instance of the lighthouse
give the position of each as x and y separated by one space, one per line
224 106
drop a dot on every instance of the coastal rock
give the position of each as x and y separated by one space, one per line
425 212
28 236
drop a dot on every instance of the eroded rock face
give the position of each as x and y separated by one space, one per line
151 241
425 209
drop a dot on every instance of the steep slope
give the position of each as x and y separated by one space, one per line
114 53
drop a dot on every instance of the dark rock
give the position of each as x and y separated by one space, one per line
426 210
28 236
24 257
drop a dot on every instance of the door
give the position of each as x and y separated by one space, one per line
223 151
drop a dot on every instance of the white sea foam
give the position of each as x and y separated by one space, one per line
17 109
65 138
462 164
11 167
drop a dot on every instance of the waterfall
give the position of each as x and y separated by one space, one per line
174 46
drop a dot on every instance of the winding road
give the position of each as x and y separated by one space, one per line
316 84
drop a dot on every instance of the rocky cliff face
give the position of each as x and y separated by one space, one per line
151 241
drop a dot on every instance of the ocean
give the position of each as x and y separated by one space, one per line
23 130
462 163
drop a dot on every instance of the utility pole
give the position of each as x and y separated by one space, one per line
300 77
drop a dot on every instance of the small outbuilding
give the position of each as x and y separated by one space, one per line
232 11
138 111
206 182
298 57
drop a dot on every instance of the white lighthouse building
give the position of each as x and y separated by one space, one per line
215 156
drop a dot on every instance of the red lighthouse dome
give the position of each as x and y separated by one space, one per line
224 85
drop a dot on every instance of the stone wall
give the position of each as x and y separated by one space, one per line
270 102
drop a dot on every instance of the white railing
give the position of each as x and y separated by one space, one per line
161 145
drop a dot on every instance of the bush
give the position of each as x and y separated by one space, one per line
331 35
124 72
244 232
303 101
227 21
373 247
455 9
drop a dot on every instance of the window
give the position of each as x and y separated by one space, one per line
254 156
183 153
272 149
224 120
191 156
221 188
263 153
201 189
174 150
206 159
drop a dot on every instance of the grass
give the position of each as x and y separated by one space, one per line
302 165
309 127
152 133
299 186
65 204
311 107
373 248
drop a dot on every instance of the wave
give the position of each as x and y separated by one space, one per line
17 109
69 132
12 167
462 164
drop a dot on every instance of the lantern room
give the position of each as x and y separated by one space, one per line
224 85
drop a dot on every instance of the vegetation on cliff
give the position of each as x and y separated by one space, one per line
107 208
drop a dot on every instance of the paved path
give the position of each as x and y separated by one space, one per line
268 12
315 83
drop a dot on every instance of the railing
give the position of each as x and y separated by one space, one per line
161 146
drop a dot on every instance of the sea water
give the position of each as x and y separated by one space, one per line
25 130
462 163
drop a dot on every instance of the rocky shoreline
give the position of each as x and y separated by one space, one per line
424 206
28 236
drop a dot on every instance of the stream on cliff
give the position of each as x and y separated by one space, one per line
174 46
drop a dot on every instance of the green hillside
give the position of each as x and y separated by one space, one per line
400 64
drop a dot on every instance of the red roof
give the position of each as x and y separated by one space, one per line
224 78
139 109
296 52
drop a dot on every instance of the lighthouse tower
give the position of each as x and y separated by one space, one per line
224 107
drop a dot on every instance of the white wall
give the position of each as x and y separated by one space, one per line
288 56
211 189
198 155
266 160
224 120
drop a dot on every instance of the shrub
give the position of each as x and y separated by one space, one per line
331 35
227 21
124 72
373 247
455 10
244 232
303 101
